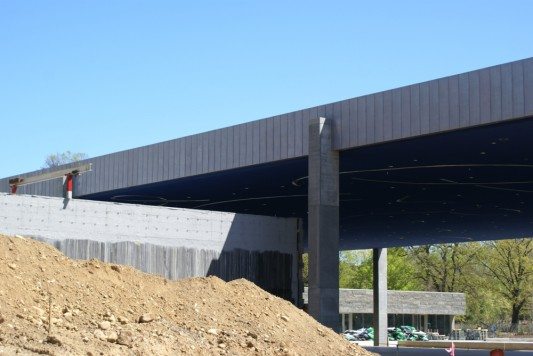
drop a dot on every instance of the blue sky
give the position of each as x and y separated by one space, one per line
103 76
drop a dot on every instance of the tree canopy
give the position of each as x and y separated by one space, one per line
57 159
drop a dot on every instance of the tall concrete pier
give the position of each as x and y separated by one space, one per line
323 224
379 272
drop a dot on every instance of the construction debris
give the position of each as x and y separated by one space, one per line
404 332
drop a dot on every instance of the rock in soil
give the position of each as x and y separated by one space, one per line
146 318
125 338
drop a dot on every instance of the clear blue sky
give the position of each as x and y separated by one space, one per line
103 76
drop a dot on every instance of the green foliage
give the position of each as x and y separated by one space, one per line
401 270
305 269
58 159
509 265
357 272
354 269
445 267
483 306
496 276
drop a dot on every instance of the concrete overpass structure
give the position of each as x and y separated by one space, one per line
447 160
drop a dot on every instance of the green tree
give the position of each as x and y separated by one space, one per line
496 276
400 274
444 267
355 270
484 306
455 268
57 159
510 265
348 261
401 270
305 269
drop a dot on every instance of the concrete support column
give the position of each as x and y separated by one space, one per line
323 224
452 323
299 252
379 263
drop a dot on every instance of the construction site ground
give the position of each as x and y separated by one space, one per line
50 304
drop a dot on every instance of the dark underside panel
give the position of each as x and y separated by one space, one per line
472 184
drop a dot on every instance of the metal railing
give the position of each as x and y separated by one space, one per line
503 329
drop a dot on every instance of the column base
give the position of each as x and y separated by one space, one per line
324 306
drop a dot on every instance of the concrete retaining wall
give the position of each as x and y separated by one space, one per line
172 242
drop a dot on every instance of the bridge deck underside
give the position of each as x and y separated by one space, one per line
472 184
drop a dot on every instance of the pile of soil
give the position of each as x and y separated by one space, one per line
97 308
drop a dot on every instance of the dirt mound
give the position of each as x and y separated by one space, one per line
98 308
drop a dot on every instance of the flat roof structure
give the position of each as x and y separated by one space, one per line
448 160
